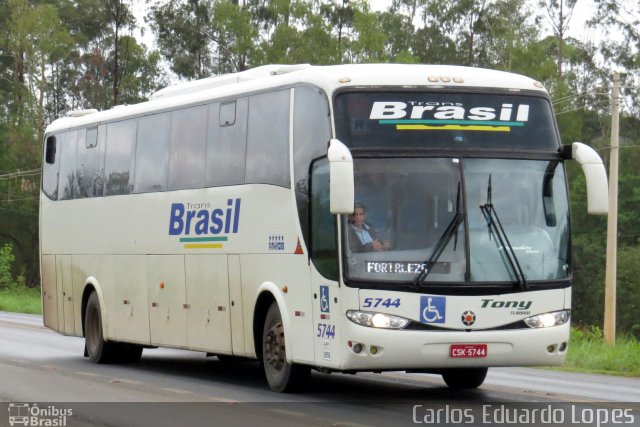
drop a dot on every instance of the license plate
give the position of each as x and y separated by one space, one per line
468 350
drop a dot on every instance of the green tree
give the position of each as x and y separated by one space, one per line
339 15
628 298
38 39
6 263
233 36
120 17
90 76
400 33
178 27
623 52
559 13
506 29
305 38
369 41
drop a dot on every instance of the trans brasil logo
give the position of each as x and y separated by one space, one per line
203 227
426 115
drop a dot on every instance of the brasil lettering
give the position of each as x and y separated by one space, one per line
420 115
202 227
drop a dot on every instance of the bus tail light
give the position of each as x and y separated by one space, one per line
547 320
377 320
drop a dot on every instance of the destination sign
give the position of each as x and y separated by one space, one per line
405 267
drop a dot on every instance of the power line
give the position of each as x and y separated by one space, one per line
21 199
20 173
620 147
599 104
572 97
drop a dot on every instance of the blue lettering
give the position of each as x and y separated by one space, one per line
216 221
184 216
175 222
236 216
203 221
227 222
187 227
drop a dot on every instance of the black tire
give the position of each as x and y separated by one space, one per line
464 378
97 349
281 376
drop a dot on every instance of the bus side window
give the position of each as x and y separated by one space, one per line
187 148
152 153
90 163
311 131
324 245
121 138
68 182
268 139
226 144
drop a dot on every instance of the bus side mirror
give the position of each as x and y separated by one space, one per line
596 176
341 181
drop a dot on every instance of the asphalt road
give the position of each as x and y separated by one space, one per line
173 387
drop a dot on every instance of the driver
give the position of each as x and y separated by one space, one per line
362 237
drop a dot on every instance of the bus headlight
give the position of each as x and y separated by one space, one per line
547 320
377 320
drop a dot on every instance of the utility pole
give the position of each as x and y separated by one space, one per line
612 220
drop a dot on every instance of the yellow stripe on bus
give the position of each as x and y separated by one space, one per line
455 127
203 246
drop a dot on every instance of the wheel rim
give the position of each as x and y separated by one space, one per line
93 330
274 350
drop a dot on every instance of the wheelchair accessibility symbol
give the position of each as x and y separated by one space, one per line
432 309
324 299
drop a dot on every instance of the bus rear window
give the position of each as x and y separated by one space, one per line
409 120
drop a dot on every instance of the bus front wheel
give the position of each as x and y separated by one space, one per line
464 378
281 376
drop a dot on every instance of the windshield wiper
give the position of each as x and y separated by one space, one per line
493 221
441 244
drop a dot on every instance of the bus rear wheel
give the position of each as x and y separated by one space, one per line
281 376
464 378
97 349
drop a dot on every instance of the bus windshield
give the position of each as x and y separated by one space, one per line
413 120
454 218
410 211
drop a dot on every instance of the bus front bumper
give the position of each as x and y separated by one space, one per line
365 348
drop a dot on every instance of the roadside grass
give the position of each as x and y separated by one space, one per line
588 352
20 299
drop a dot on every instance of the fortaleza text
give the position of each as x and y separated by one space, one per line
511 415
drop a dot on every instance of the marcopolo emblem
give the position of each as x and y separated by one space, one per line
468 318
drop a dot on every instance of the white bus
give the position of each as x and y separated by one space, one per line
225 216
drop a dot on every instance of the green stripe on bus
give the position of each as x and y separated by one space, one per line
449 122
203 239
